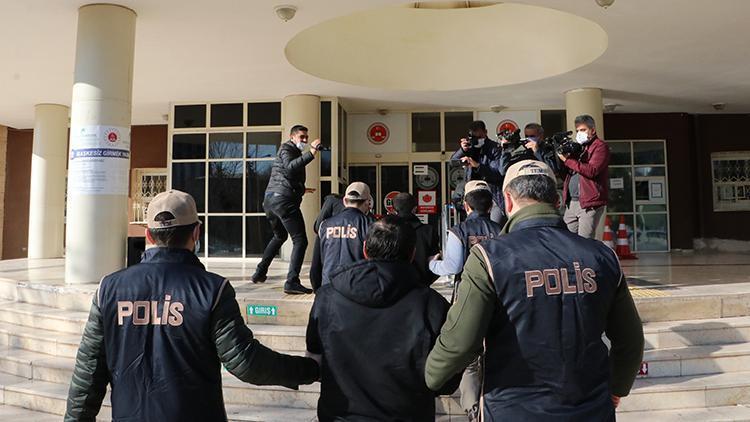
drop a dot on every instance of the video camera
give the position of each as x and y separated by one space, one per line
513 139
564 144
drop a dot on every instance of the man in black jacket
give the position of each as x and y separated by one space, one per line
372 328
282 206
342 236
428 243
486 160
159 331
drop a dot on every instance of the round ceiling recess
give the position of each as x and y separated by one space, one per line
443 49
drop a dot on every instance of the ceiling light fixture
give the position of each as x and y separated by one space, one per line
285 12
605 3
497 108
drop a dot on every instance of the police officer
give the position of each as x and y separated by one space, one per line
477 227
159 331
332 205
343 235
282 206
538 300
461 238
484 159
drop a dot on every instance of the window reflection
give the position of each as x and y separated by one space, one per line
225 237
191 178
225 186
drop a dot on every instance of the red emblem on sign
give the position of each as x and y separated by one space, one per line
427 202
508 125
112 136
378 133
388 202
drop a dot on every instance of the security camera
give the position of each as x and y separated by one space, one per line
605 3
719 106
285 12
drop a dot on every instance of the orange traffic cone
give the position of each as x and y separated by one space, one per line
623 247
608 239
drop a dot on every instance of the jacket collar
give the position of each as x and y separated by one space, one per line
162 255
475 215
537 215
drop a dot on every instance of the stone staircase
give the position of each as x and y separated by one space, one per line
697 340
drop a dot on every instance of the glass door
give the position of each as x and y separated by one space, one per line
638 191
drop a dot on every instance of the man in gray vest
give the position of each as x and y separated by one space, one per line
158 333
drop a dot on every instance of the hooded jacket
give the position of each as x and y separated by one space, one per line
374 325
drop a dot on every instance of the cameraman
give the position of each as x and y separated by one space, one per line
586 190
534 134
484 159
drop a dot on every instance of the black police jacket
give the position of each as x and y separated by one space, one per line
427 246
288 171
476 228
342 240
374 326
158 333
544 350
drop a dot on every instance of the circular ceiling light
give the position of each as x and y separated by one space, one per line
447 49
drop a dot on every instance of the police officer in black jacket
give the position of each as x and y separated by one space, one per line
159 331
282 206
342 236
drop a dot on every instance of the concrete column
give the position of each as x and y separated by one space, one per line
47 194
99 164
305 110
585 101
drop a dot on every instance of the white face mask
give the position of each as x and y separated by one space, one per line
582 137
480 143
300 145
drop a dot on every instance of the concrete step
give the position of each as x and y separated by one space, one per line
688 392
696 332
19 414
654 304
698 360
41 341
708 414
38 317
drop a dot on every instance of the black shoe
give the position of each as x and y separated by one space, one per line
258 278
294 287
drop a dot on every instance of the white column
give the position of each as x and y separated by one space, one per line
96 232
585 101
47 194
305 110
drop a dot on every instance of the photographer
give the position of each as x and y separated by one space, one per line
534 134
586 190
484 159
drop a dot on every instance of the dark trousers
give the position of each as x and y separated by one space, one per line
286 220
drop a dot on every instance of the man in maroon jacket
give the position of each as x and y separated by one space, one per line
586 189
